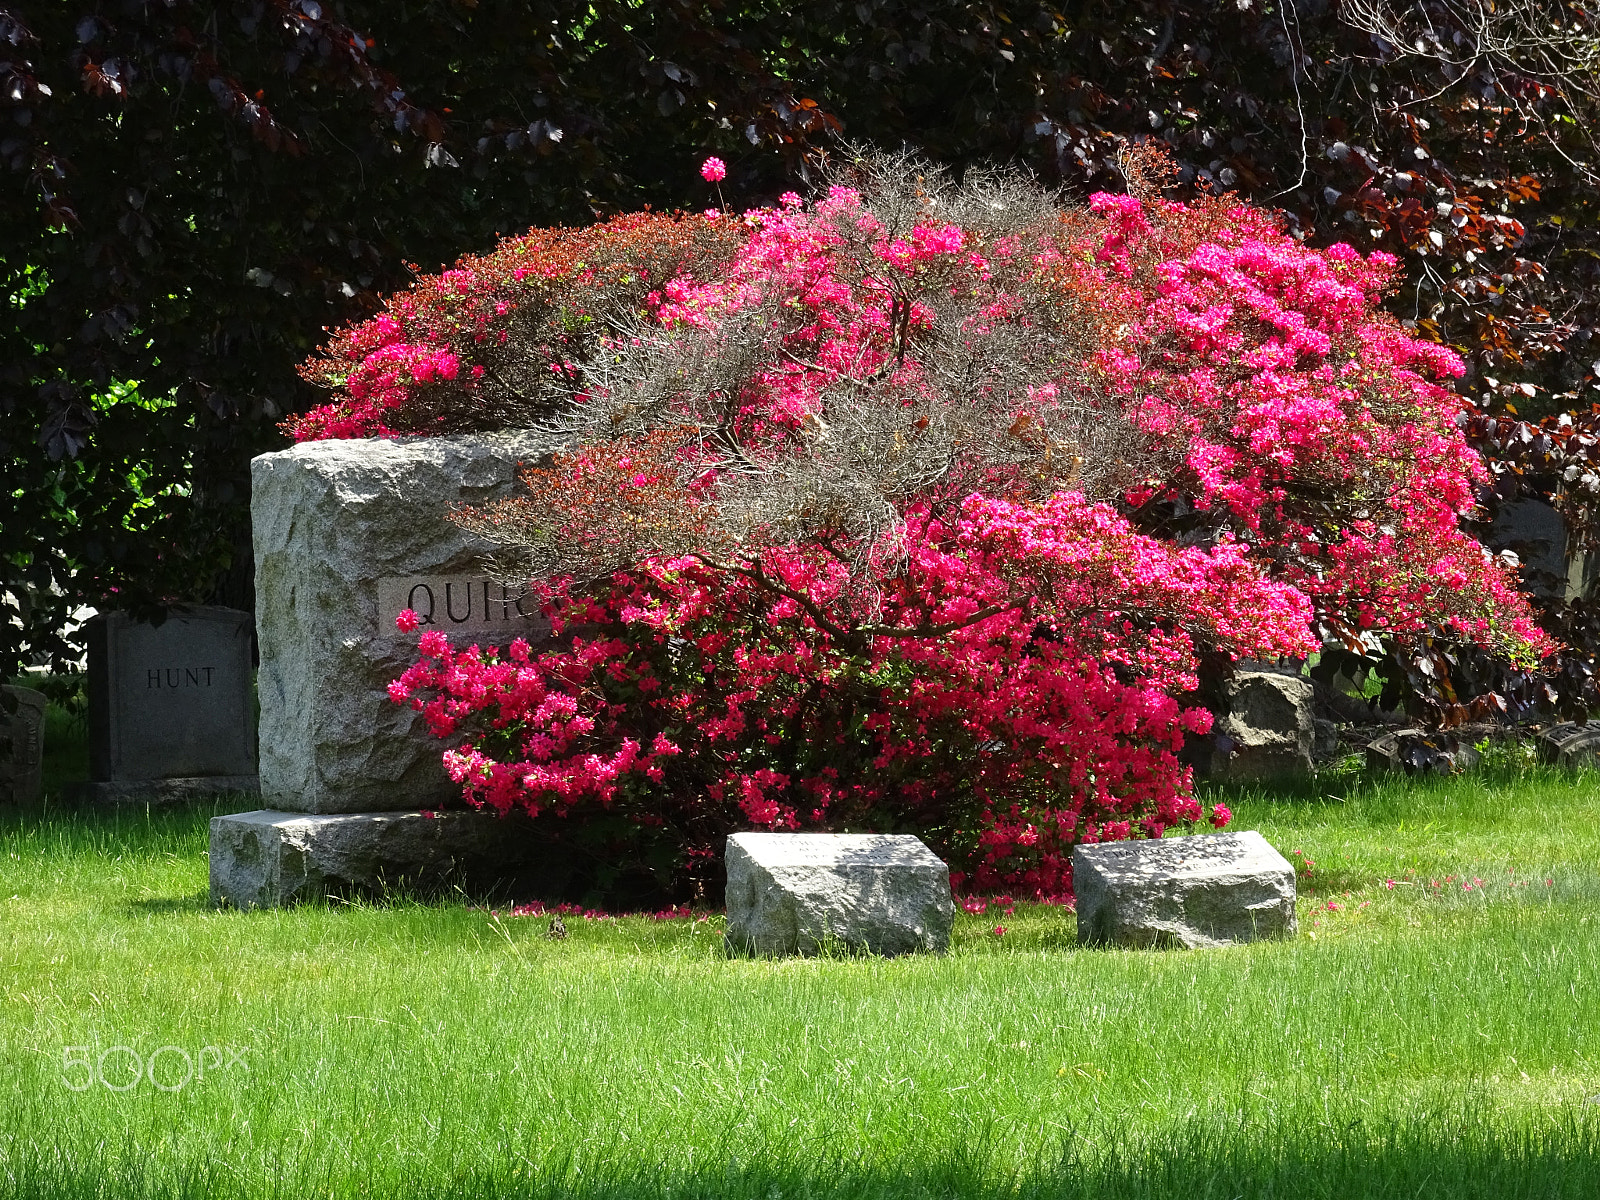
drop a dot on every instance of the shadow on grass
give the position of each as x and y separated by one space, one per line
1470 1157
169 906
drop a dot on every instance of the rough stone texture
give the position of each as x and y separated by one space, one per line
162 791
1266 728
346 530
266 859
1571 745
22 746
171 701
794 893
1207 890
1326 740
1419 751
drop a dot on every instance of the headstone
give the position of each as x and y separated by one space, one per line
1265 728
22 745
1537 534
1422 752
1571 745
268 859
348 533
1206 890
171 711
795 893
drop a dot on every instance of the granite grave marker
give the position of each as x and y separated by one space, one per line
795 893
348 534
22 745
171 711
1206 890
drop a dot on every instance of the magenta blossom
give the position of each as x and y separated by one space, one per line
714 170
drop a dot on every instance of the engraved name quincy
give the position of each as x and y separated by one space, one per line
460 602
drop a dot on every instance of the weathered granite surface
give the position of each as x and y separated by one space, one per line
267 859
22 745
171 701
1207 890
795 893
347 533
1267 725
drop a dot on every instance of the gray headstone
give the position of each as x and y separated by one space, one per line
1570 744
1267 728
1206 890
793 893
171 700
347 534
267 859
22 746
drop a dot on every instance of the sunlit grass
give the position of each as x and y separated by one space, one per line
1413 1038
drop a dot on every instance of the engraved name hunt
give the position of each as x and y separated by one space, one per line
460 602
172 679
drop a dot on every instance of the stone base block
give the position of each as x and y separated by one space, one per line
1207 890
795 893
266 859
161 791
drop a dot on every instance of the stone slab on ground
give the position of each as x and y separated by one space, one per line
347 534
1267 725
1570 744
1208 890
267 858
22 745
171 701
796 893
161 791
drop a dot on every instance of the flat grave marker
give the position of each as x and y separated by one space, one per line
796 893
1207 890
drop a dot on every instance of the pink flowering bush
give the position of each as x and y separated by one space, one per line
915 506
1015 696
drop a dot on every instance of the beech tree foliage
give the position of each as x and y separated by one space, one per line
193 192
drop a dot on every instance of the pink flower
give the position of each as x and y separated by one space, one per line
1221 814
714 170
999 931
406 622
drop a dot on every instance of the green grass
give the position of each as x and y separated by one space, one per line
1413 1041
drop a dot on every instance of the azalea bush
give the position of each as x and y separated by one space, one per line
916 505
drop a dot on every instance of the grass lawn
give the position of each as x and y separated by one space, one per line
1440 1037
